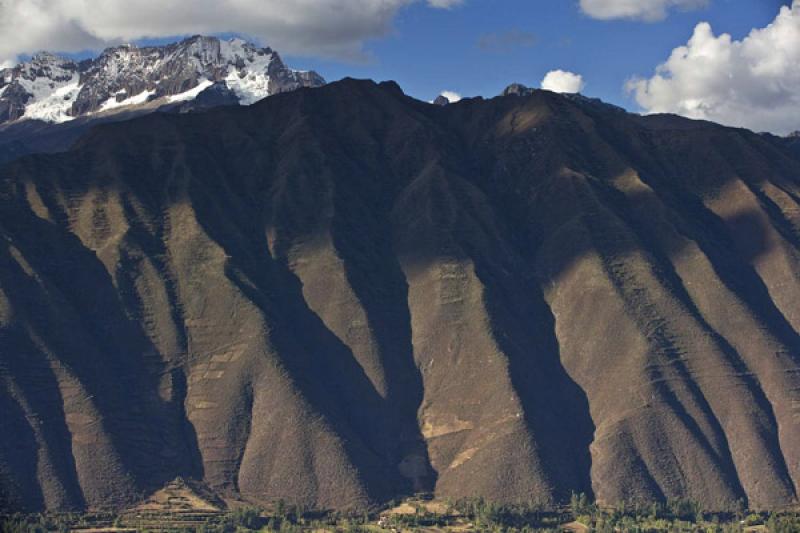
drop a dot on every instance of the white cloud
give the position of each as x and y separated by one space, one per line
318 27
560 81
648 10
453 97
751 83
444 4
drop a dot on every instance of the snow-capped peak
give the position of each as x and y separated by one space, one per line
56 89
42 88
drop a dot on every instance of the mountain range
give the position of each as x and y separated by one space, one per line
342 295
46 103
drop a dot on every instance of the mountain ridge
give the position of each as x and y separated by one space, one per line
341 295
56 89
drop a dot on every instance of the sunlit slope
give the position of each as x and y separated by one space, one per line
342 295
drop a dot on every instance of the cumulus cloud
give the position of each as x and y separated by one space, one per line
335 28
648 10
751 83
560 81
451 96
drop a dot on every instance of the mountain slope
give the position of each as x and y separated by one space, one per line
341 295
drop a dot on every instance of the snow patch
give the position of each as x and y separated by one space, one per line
51 102
247 70
250 88
251 83
112 103
191 94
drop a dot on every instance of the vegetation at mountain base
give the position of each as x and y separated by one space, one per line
424 514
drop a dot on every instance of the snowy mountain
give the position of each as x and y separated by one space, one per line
55 89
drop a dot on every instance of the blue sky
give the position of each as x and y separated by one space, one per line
429 50
736 62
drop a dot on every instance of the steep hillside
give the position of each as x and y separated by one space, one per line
341 295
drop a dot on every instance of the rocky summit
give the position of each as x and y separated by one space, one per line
340 296
53 89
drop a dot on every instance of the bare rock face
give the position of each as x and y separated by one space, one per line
54 89
341 296
12 105
216 95
44 82
517 89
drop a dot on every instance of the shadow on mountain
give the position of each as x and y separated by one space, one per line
340 296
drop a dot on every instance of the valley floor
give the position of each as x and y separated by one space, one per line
183 512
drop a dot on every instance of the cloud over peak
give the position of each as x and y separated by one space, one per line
561 81
320 27
451 96
750 83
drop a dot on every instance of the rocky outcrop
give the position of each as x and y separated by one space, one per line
517 89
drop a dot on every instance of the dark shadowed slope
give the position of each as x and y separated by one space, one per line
341 295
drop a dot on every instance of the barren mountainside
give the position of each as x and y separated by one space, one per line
342 295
